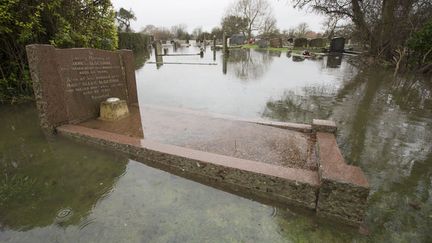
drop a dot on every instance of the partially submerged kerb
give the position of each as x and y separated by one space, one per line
292 164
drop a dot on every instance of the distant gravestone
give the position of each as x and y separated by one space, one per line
300 42
262 43
237 39
70 84
318 42
276 43
337 44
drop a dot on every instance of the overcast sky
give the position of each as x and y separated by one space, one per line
207 13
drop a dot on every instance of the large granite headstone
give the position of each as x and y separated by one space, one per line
70 84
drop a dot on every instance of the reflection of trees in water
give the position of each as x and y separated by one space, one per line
385 127
311 102
249 64
40 178
140 59
414 94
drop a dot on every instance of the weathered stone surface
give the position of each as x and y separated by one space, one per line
113 111
344 189
293 186
47 85
128 65
324 126
69 84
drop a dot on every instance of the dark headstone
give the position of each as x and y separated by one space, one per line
318 42
237 39
337 44
158 52
70 84
300 42
225 44
262 43
276 43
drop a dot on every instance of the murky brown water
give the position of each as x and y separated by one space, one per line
54 190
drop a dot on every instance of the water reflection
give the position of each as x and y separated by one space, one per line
53 190
384 127
302 106
248 65
334 60
140 59
48 182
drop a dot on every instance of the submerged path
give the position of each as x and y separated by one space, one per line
236 138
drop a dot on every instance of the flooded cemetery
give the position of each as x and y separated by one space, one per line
251 106
247 133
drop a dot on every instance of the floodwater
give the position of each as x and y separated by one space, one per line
56 190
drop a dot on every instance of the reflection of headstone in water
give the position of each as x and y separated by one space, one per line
158 54
225 64
175 46
334 61
214 49
337 44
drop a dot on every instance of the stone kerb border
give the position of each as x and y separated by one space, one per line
344 189
287 185
336 191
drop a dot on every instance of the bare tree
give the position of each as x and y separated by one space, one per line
301 30
330 25
197 32
269 26
159 33
256 12
179 31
